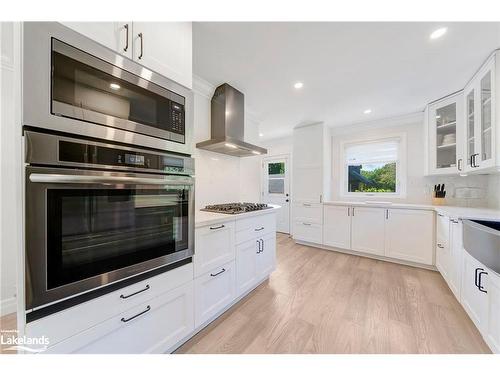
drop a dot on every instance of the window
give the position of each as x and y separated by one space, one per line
373 167
276 181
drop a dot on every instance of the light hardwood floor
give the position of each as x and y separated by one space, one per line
320 301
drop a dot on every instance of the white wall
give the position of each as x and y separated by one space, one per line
11 169
221 178
469 191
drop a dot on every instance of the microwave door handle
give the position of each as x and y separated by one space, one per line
84 179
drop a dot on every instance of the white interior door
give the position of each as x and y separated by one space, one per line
276 188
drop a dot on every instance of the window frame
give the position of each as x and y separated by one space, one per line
401 167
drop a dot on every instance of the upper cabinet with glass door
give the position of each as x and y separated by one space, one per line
445 135
480 111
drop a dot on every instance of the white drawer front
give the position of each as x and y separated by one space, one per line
69 322
154 326
214 291
254 227
214 246
309 232
309 212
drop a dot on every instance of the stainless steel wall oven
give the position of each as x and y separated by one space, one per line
97 213
74 85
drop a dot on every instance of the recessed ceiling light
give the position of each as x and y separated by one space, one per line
115 86
261 134
230 145
255 152
439 33
367 111
298 85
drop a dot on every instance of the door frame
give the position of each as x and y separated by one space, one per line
288 156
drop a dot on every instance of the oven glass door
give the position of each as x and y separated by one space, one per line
90 89
86 229
94 231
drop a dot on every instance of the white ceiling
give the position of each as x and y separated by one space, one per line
392 68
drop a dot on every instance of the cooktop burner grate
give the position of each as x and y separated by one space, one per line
235 208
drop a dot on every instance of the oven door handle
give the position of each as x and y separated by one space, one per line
83 179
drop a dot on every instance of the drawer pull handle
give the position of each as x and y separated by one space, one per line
440 246
259 229
219 227
125 320
306 204
133 294
306 223
218 273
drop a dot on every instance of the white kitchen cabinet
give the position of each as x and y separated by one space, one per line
473 296
455 263
154 326
166 48
308 232
255 260
492 331
413 245
446 135
266 258
246 266
337 226
214 247
480 119
214 291
443 256
311 163
368 230
114 35
310 212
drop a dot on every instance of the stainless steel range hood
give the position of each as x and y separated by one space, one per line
228 125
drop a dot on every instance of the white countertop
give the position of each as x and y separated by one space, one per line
203 218
451 211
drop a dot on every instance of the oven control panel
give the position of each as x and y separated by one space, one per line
114 156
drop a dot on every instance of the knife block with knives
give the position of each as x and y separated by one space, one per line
439 194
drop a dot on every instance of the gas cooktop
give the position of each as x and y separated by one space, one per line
235 208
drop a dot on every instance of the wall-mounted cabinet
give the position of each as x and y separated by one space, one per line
462 131
164 47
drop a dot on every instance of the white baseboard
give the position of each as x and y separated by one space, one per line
8 306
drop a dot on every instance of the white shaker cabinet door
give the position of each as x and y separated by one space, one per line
114 35
474 301
266 259
493 320
337 226
368 226
409 235
166 48
246 266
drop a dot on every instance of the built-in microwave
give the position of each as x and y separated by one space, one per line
74 85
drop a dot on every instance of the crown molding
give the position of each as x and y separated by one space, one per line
410 118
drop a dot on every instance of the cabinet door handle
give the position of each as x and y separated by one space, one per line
440 246
259 229
125 320
126 37
479 286
133 294
219 227
475 276
386 214
262 241
353 211
459 164
142 46
258 244
218 273
348 211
